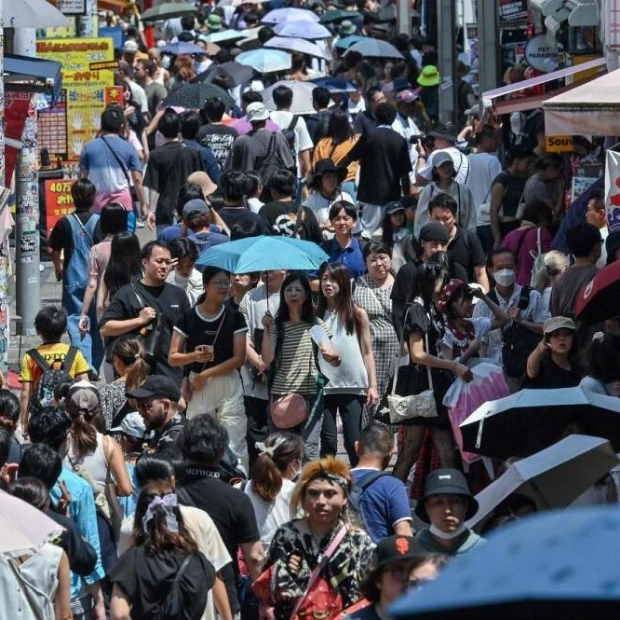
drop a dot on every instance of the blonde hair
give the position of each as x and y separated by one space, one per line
328 468
554 264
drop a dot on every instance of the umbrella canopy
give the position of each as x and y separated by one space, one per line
235 72
32 14
266 60
332 17
553 477
599 300
302 30
530 420
347 42
293 44
225 36
278 16
183 47
552 566
264 254
592 109
168 10
302 96
23 526
375 48
193 96
335 85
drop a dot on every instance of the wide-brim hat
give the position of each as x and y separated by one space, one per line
327 166
447 131
430 76
446 482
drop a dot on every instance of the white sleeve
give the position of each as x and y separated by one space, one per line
422 215
482 326
304 141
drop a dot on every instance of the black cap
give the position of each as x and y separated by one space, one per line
394 207
154 386
396 549
434 232
446 482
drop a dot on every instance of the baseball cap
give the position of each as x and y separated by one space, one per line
154 386
394 207
257 112
440 158
83 398
408 95
558 322
195 206
130 46
132 426
394 549
434 232
446 481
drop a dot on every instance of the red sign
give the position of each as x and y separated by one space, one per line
58 201
17 106
114 94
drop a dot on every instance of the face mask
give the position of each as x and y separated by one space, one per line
504 277
435 531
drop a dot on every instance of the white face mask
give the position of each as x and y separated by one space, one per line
504 277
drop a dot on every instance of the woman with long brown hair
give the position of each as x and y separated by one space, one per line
163 554
353 382
271 485
132 369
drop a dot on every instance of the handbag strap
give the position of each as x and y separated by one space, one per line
400 348
319 567
119 161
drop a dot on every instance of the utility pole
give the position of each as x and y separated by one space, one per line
446 44
27 259
4 243
488 44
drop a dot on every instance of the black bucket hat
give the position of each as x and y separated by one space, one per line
327 166
446 482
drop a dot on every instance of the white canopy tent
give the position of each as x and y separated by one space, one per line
592 109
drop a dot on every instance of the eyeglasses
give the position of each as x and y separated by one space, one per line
221 283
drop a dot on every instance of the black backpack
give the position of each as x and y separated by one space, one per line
354 501
54 374
289 134
271 162
518 341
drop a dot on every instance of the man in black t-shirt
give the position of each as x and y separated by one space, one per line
203 443
136 308
169 166
215 135
282 215
464 247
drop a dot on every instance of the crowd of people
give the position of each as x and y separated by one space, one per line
186 437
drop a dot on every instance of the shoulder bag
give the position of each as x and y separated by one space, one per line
422 405
117 514
152 333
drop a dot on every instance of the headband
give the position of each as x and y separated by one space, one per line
341 481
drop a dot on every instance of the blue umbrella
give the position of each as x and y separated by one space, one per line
287 14
264 254
302 30
265 60
335 85
545 567
182 47
347 42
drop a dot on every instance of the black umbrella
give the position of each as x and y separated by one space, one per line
168 10
338 15
531 420
193 96
234 71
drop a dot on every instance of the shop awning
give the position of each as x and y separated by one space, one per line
591 109
488 97
32 75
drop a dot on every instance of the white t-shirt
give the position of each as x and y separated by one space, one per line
483 168
320 206
270 516
303 141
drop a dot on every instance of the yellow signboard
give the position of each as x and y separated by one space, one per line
86 88
559 144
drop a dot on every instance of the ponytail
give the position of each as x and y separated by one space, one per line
84 432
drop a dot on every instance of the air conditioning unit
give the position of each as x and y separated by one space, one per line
577 12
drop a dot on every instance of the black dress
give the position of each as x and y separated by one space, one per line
413 378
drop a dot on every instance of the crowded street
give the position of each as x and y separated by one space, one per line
309 309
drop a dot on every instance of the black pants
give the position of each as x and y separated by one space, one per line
350 407
256 410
